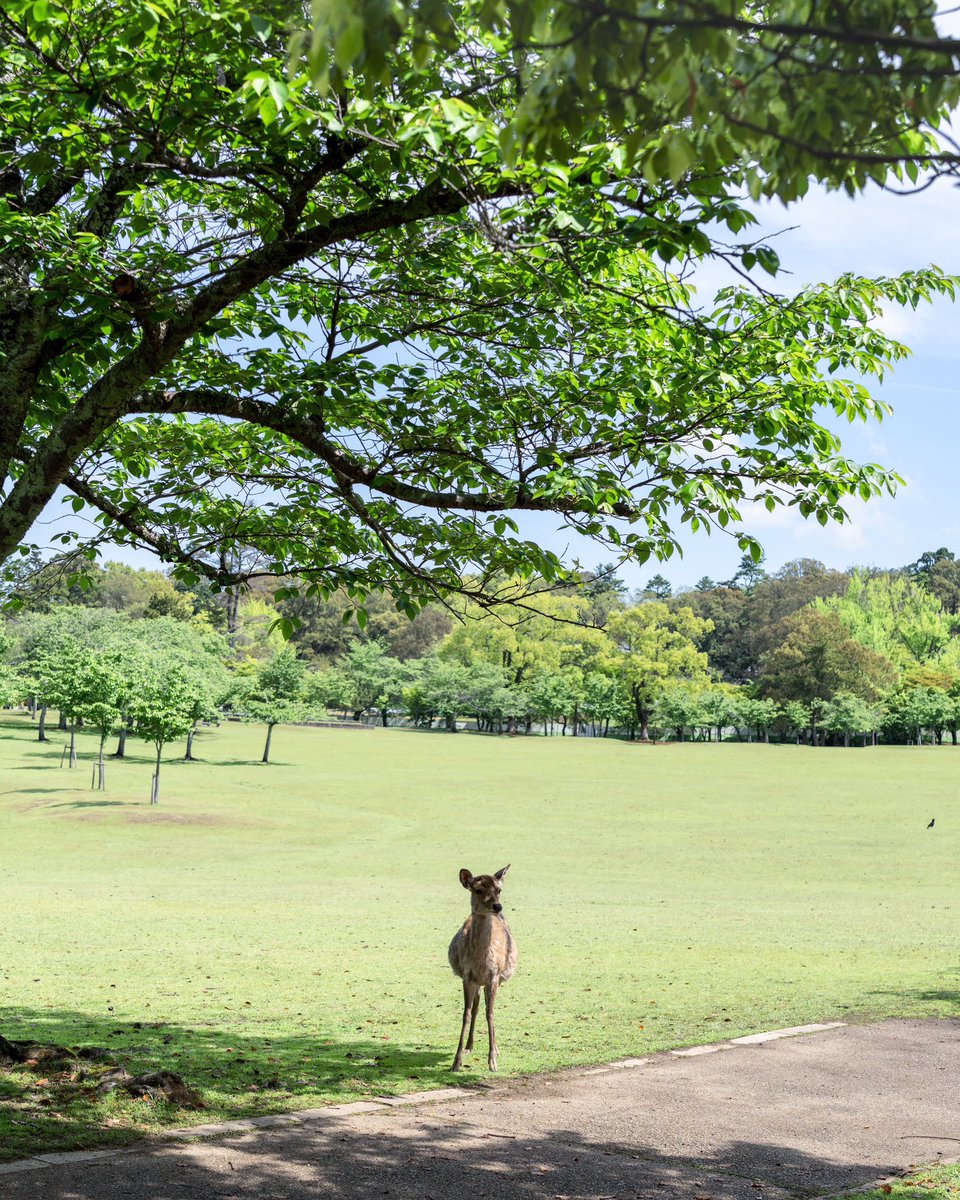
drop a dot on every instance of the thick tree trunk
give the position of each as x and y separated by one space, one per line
121 749
188 757
42 727
266 749
62 726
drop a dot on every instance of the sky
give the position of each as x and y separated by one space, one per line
822 236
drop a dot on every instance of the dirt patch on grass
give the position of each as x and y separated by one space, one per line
173 818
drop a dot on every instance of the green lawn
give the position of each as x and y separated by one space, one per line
939 1182
278 933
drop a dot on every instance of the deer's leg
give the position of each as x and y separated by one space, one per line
473 1018
470 993
490 995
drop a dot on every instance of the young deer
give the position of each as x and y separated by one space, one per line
483 954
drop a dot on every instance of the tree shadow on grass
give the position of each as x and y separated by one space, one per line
91 803
946 995
238 1074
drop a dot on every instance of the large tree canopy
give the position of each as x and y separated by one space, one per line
263 325
841 90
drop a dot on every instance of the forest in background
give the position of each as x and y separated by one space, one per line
803 652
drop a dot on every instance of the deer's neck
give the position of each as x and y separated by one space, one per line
482 925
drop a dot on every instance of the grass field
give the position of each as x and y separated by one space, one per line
278 933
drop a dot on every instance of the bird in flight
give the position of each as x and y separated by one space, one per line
932 819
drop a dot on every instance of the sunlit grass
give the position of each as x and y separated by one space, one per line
941 1182
278 933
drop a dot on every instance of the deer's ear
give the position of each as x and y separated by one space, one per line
503 870
466 878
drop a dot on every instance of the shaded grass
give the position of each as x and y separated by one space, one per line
938 1182
278 933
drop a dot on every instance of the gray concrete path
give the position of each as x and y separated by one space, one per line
796 1116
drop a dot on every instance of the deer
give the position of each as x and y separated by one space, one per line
484 955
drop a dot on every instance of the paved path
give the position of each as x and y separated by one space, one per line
785 1117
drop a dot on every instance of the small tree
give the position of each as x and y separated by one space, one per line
846 715
162 713
99 687
276 694
796 716
209 691
678 709
757 715
61 674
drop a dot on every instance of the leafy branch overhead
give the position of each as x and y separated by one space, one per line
266 321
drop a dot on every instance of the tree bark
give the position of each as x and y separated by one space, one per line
121 749
155 782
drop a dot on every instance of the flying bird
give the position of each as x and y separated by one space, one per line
932 819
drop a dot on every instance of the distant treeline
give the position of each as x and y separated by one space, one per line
803 653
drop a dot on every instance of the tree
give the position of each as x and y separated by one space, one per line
678 709
781 594
439 691
912 710
655 648
939 572
858 93
897 618
161 710
758 715
817 659
275 695
658 587
718 708
263 325
749 573
704 584
847 714
209 691
726 641
796 716
99 687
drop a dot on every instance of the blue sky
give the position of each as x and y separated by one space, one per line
876 233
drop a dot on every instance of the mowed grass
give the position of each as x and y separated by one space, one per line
277 934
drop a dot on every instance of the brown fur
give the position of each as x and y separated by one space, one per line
484 954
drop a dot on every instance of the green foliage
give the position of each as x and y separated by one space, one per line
847 714
897 618
858 90
274 323
818 659
654 647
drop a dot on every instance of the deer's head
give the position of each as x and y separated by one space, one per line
484 891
